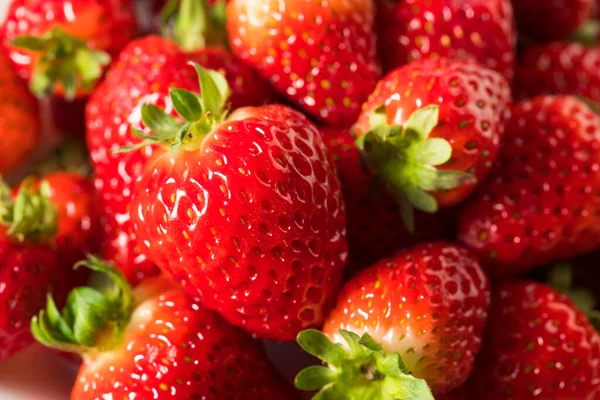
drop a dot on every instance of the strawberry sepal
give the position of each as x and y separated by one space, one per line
30 215
193 24
63 60
200 114
92 320
362 370
405 159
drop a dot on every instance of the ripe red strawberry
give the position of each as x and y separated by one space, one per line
482 30
547 20
144 73
537 345
29 266
155 342
441 113
541 203
429 304
321 55
559 68
62 46
19 121
247 212
374 225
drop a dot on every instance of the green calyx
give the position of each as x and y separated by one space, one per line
194 24
200 114
560 278
405 159
92 320
63 60
30 216
363 370
587 34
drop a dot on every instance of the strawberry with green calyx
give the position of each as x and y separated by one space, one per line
29 265
154 342
406 159
361 370
244 210
62 47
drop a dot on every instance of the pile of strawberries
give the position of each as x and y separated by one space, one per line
408 188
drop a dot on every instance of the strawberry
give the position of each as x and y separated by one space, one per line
245 210
154 342
541 203
482 30
144 73
19 121
29 267
433 113
374 225
62 46
363 370
537 345
559 68
429 304
546 20
321 55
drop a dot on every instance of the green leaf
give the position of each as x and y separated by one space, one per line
377 117
429 178
186 104
56 320
367 341
407 213
315 377
436 151
584 299
420 199
214 88
191 25
92 313
560 278
422 121
319 345
30 43
353 341
159 121
333 392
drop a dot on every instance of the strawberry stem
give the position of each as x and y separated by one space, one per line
93 320
30 215
63 60
200 114
405 158
362 370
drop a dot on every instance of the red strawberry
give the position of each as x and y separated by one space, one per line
19 120
61 46
429 304
144 73
482 30
541 204
247 213
29 267
551 19
321 55
374 225
559 68
155 342
537 345
433 113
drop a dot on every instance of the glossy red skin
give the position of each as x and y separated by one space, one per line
174 348
467 94
559 68
536 345
78 225
105 25
27 273
540 205
253 222
374 226
321 55
144 73
482 30
546 20
428 303
19 120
